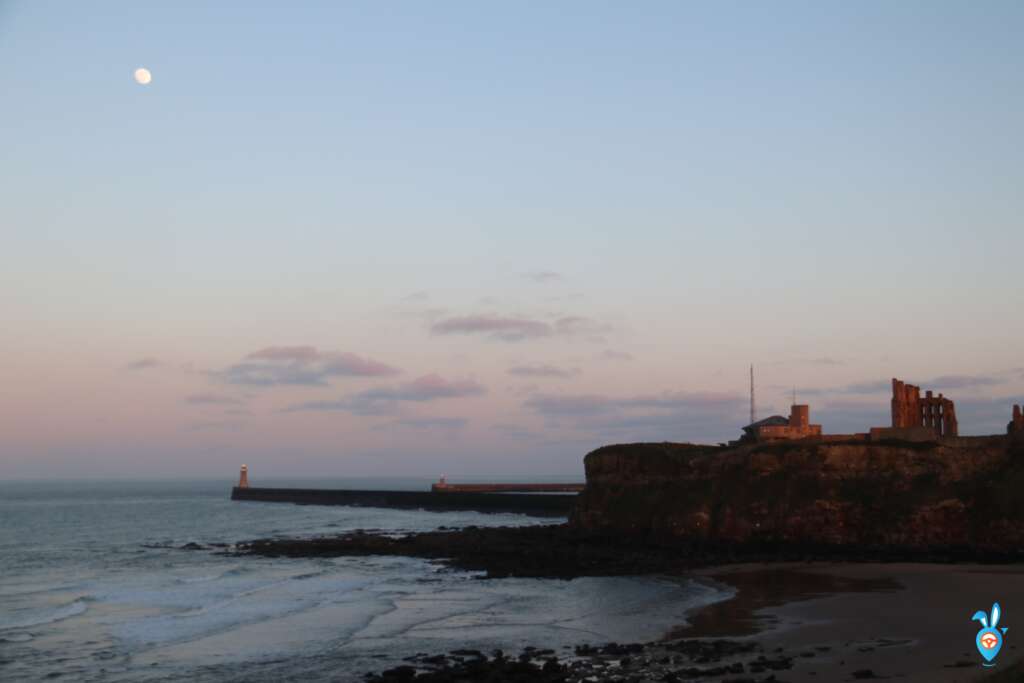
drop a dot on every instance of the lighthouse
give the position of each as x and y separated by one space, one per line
243 478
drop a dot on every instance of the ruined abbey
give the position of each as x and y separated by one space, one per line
1016 424
915 418
910 410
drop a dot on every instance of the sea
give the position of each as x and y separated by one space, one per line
95 585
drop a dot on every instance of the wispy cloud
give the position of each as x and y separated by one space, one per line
985 415
850 415
209 398
416 297
143 364
875 387
943 383
580 326
543 371
965 381
215 426
544 276
820 360
512 431
443 423
578 405
609 354
426 388
688 415
385 400
346 405
495 327
300 365
514 329
595 404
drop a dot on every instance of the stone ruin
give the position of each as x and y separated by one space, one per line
910 411
1016 424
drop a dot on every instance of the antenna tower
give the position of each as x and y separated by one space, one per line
753 410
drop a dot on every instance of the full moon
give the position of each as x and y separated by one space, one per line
142 76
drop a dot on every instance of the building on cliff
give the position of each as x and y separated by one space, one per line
1016 423
915 418
779 428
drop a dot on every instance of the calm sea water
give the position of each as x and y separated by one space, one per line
94 586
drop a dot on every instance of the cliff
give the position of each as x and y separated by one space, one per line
960 494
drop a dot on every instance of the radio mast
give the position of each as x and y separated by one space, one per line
753 409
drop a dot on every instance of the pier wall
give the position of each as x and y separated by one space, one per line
547 505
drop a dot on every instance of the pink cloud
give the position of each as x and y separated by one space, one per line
543 371
505 329
300 365
384 400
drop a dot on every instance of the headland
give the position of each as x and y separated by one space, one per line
853 557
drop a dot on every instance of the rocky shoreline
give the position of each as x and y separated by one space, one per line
728 642
565 552
682 660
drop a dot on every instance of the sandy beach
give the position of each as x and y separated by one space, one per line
906 622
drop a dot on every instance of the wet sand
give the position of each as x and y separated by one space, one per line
804 620
904 622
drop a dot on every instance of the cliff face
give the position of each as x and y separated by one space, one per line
965 493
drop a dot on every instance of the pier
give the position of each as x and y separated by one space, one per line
444 487
538 504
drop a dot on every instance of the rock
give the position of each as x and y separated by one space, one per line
955 497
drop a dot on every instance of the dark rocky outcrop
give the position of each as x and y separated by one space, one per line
550 551
959 495
681 660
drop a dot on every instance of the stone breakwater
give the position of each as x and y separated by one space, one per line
532 504
961 495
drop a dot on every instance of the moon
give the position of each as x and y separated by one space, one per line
142 76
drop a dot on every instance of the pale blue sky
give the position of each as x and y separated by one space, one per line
714 184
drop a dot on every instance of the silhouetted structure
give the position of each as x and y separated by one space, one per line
753 408
243 478
910 411
914 418
776 427
1016 424
442 486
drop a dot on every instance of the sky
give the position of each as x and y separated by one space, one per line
482 239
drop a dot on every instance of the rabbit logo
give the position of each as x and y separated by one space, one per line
989 639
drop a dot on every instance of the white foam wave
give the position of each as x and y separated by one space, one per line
226 574
48 617
219 606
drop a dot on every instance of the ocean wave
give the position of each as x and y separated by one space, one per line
237 608
226 574
66 611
